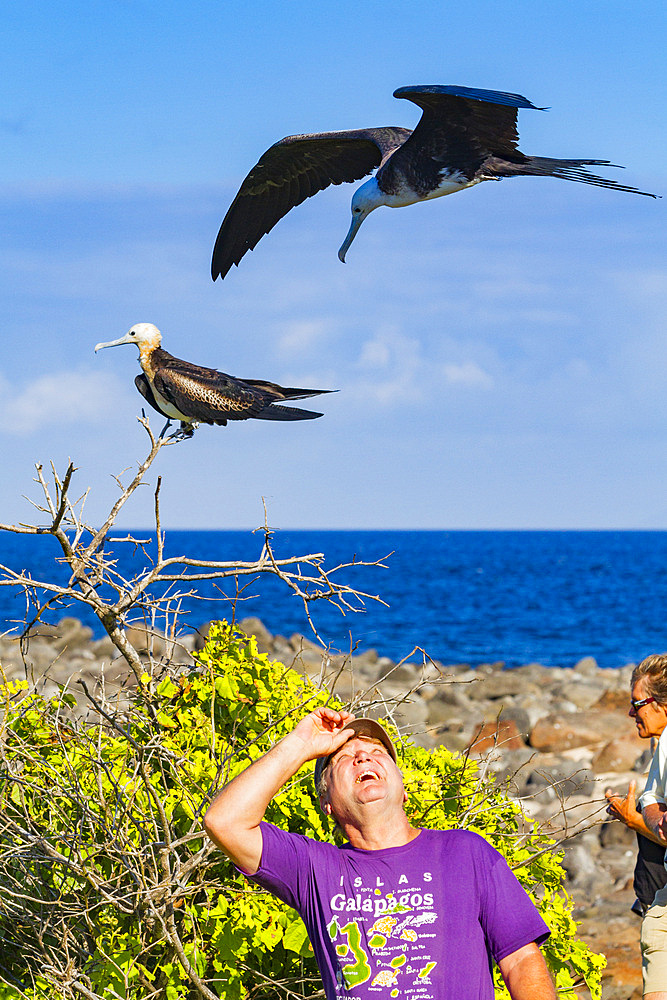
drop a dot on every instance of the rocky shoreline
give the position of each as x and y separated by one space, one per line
560 736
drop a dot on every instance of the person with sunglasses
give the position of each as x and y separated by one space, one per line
648 817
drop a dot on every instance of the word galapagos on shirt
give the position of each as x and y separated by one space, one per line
423 921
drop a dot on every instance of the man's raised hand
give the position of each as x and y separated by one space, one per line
323 731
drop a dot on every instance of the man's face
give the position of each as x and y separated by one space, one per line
650 719
361 772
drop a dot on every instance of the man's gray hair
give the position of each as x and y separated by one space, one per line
654 671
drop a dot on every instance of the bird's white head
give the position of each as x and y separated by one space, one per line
365 199
145 335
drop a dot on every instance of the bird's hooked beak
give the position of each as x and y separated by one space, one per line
127 339
357 219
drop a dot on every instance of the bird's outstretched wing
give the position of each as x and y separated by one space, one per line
462 126
291 171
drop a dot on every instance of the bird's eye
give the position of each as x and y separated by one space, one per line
356 211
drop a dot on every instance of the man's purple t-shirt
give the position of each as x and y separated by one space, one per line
424 921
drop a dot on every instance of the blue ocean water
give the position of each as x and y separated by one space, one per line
463 596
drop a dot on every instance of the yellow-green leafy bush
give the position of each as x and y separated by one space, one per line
109 888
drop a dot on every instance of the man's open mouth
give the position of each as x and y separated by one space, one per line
367 776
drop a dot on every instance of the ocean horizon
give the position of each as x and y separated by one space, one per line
464 596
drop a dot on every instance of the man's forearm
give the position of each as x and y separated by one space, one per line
639 825
526 975
653 816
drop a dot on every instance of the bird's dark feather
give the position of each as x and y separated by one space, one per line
568 170
213 397
290 171
454 132
278 412
420 94
144 387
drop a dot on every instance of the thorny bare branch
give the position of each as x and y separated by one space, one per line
96 583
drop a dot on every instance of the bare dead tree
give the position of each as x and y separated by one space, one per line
96 583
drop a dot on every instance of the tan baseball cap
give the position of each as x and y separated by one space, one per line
361 727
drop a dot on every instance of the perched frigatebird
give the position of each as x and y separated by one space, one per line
182 391
464 136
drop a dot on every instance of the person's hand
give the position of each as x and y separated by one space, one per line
323 731
621 808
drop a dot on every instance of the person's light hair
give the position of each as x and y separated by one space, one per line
653 669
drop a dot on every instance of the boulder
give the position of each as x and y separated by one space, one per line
613 833
587 666
104 648
614 700
564 776
145 640
255 626
456 734
511 712
513 767
536 673
562 731
580 694
502 734
71 634
503 684
404 674
619 754
441 711
582 870
490 668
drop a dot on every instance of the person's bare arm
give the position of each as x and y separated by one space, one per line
625 809
232 820
655 817
526 975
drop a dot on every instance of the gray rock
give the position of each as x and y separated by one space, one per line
615 833
512 769
441 711
71 634
587 666
563 776
486 669
582 870
405 674
255 626
103 648
511 712
536 707
502 684
580 694
537 673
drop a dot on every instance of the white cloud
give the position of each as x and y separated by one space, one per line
58 398
397 365
303 335
468 374
374 354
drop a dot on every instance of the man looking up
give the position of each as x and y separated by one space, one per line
396 911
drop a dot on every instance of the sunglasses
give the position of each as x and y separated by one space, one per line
640 704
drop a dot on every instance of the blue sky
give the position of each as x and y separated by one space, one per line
500 355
